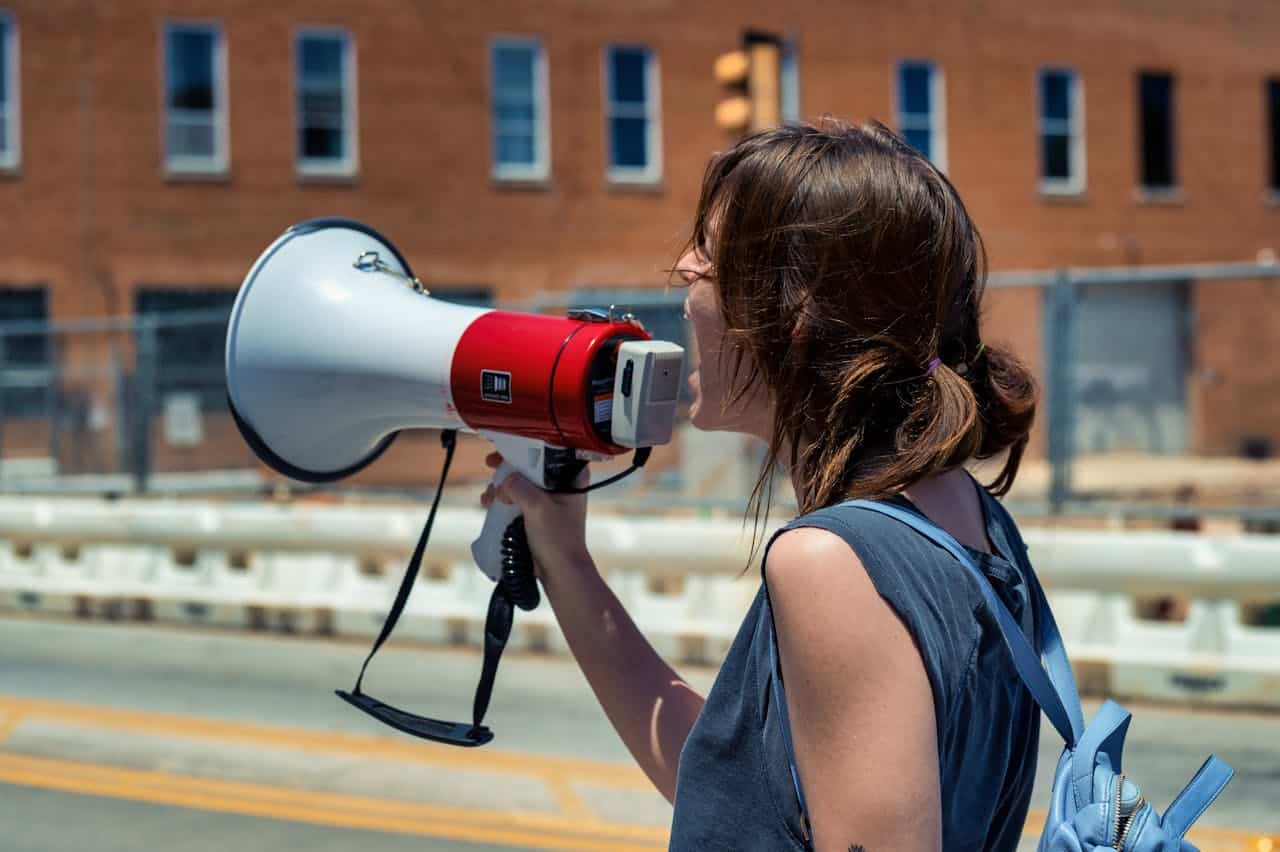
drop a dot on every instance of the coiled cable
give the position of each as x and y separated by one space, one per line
518 579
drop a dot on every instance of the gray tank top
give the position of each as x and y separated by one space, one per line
734 787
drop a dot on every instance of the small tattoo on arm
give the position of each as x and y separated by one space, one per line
856 848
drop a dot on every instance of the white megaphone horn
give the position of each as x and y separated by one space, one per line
333 347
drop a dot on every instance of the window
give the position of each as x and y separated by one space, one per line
1061 132
470 296
1155 123
191 339
9 125
920 110
326 103
790 90
1273 115
25 357
631 110
519 106
195 114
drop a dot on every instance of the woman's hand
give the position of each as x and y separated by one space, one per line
556 524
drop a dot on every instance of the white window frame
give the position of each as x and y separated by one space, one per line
189 165
11 156
789 88
1072 128
349 163
540 169
651 172
935 122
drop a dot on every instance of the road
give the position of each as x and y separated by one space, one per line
129 737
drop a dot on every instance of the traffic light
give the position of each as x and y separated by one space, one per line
752 78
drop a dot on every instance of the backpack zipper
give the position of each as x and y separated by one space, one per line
1124 821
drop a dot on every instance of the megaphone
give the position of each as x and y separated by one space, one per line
334 347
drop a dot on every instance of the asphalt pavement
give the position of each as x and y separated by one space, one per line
134 736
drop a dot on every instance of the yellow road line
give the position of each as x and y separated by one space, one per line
8 721
558 773
530 830
1206 838
567 798
553 769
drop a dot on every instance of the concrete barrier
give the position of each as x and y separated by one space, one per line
323 569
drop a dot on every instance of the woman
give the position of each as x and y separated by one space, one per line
834 286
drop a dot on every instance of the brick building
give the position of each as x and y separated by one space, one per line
153 148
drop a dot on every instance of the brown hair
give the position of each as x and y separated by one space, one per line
845 262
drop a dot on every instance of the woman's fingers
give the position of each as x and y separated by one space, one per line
492 460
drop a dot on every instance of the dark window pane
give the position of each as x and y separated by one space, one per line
321 102
1056 150
21 353
190 357
321 99
1155 93
921 140
322 143
1055 95
4 61
516 150
191 70
523 113
628 76
476 297
629 146
913 88
322 57
513 69
1273 97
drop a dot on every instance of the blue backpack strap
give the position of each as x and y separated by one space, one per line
1105 734
1049 640
1055 692
1197 796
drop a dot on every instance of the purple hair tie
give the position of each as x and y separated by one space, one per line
933 365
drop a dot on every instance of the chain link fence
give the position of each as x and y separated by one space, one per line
112 406
1155 386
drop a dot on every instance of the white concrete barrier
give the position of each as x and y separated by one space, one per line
311 569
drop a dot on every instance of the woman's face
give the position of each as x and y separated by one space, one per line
712 366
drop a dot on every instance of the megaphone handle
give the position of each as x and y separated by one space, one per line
487 549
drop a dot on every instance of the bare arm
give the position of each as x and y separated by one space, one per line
650 706
861 708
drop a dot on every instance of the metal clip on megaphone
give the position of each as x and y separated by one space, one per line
334 346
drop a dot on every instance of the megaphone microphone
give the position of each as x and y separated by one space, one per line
334 347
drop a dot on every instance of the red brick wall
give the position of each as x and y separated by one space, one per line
91 214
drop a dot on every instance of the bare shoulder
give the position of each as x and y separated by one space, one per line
816 580
833 626
858 696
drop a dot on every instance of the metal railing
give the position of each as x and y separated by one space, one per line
136 404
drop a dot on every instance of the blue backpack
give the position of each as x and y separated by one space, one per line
1093 804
